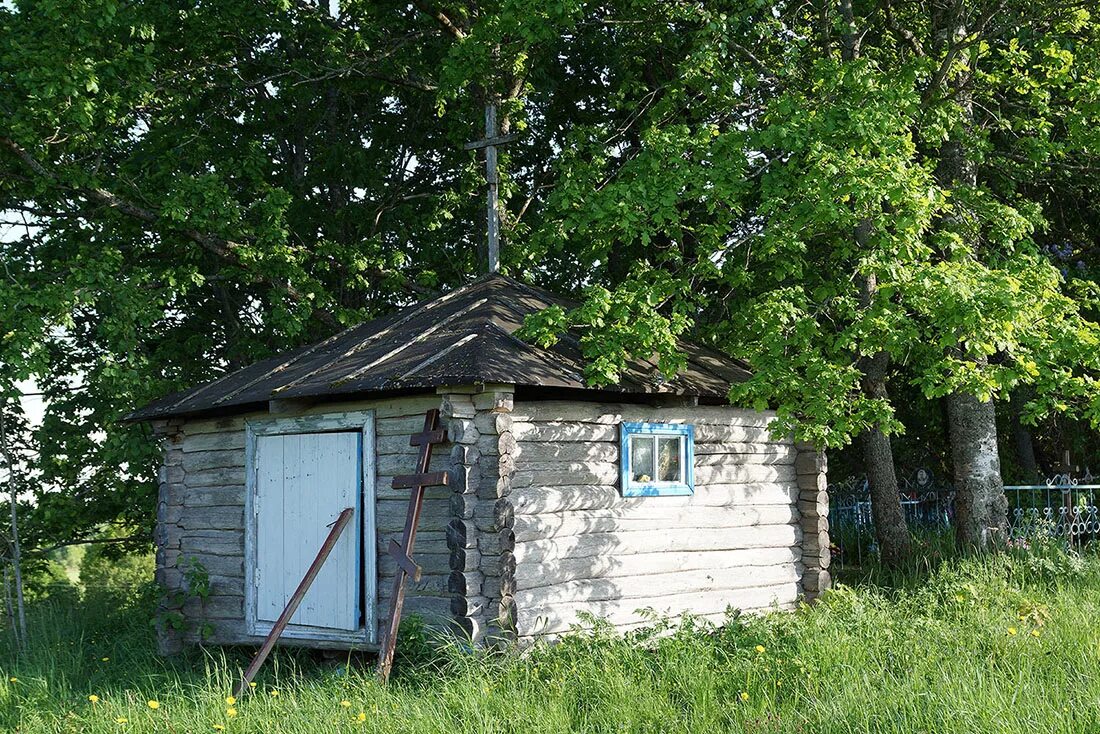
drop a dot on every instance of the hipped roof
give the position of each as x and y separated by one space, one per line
464 337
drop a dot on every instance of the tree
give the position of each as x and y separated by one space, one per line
186 189
196 188
833 203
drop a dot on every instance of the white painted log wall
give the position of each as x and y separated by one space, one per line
574 542
201 513
580 547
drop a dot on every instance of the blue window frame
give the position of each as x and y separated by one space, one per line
657 459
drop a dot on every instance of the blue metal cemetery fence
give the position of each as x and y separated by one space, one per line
1064 507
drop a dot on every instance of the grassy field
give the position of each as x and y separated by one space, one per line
1005 644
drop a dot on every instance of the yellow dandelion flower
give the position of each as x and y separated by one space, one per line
219 727
120 720
1034 633
153 704
744 695
274 693
960 597
93 698
1011 631
345 703
231 712
251 685
13 679
760 648
361 716
104 659
230 700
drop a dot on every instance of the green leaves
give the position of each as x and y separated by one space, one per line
210 181
800 223
631 320
722 172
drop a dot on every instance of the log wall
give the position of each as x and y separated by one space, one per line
580 547
533 531
200 516
479 534
813 505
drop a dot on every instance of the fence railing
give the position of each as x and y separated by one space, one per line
1064 507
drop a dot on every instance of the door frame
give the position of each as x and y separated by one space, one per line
361 421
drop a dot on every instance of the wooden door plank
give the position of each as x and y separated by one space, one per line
302 482
269 526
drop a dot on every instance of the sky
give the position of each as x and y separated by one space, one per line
31 401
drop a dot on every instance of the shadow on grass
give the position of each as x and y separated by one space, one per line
931 549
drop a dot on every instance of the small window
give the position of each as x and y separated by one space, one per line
657 459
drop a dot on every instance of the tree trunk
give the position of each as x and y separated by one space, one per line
980 504
981 509
16 553
1021 438
891 530
9 606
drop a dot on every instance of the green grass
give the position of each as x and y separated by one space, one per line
934 653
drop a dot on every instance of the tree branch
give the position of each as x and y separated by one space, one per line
755 62
442 18
224 248
101 541
904 34
853 37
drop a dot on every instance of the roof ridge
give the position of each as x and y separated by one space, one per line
543 354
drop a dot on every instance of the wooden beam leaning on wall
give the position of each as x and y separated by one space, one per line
295 600
402 552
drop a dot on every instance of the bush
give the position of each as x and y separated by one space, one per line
127 577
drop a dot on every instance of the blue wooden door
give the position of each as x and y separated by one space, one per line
303 482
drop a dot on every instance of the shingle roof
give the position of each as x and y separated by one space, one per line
463 337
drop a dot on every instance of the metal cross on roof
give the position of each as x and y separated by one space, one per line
489 143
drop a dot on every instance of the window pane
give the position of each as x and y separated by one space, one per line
668 460
641 458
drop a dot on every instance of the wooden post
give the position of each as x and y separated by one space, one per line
295 600
493 220
490 143
402 552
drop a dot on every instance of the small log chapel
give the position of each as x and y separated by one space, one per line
560 500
